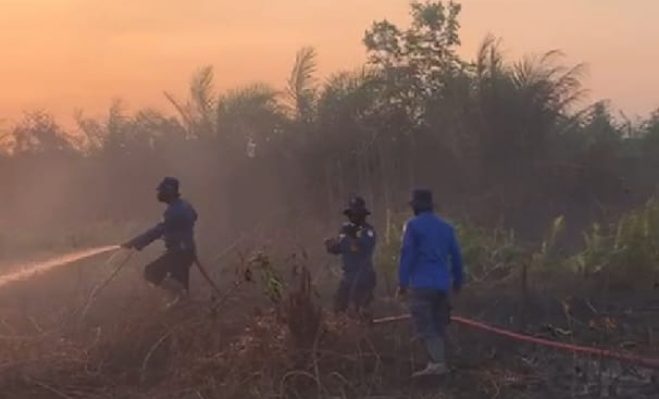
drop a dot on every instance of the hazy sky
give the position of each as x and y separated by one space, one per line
67 54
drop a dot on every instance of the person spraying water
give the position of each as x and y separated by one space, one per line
170 271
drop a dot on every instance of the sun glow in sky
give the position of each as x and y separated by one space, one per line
63 55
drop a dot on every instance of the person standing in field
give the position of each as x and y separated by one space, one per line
170 271
430 267
356 245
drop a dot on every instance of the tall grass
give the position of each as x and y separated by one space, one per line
628 248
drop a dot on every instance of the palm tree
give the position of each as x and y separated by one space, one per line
250 117
519 109
301 88
521 106
197 113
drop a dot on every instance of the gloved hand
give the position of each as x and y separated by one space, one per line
401 292
350 230
128 245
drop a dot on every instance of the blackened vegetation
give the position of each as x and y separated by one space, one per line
551 197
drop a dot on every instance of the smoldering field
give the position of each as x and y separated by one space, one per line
552 195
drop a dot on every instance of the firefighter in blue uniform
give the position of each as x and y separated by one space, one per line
356 245
430 267
171 271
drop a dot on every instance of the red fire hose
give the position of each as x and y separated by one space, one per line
652 363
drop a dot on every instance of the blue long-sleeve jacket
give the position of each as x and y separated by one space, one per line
176 228
356 252
430 255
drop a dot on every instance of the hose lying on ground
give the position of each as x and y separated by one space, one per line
647 362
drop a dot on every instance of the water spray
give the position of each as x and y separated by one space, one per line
30 270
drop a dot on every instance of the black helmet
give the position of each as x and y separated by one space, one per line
356 206
422 200
169 185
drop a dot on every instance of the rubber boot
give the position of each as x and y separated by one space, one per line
175 291
437 364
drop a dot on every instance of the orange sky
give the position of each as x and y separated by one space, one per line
66 54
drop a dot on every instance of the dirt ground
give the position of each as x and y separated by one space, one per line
241 345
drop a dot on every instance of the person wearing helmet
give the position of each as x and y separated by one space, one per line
430 266
356 245
171 270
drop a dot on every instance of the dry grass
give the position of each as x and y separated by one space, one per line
249 345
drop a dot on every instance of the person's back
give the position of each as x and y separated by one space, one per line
430 253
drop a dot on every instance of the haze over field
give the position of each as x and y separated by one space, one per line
275 116
66 54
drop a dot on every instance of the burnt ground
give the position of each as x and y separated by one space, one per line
127 346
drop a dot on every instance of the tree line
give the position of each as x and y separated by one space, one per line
502 142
